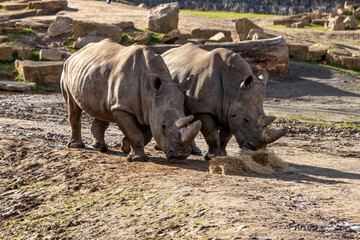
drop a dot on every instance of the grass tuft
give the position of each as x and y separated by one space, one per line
226 14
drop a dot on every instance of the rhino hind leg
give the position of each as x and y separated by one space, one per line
129 126
98 129
225 136
125 146
75 122
209 129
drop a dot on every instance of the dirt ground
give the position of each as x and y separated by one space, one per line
48 191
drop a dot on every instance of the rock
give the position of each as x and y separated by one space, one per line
321 22
198 40
243 27
83 41
143 5
348 5
356 13
40 71
342 11
343 58
3 38
63 18
6 52
351 22
316 14
256 34
49 4
7 85
219 37
14 6
125 25
336 23
170 37
298 25
31 24
58 28
138 37
50 54
317 52
205 33
163 18
24 53
82 29
299 51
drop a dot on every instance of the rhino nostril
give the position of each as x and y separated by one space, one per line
170 154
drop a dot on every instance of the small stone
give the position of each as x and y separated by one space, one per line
6 52
83 41
50 54
60 27
219 37
138 37
170 37
7 85
125 24
143 5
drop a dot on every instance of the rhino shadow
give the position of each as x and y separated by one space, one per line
299 175
306 79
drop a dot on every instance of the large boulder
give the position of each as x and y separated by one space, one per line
163 18
351 22
82 29
40 72
343 58
60 26
6 52
243 27
50 54
336 23
205 33
317 52
83 41
299 51
56 5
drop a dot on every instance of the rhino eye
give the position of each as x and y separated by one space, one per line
246 121
233 115
163 128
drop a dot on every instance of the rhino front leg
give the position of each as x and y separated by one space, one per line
225 136
126 148
129 126
209 129
75 122
98 129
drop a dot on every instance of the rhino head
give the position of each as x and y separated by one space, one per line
170 128
246 116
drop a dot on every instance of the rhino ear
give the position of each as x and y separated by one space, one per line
247 83
187 83
263 76
156 83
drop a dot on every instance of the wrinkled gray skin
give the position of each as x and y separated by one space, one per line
225 95
132 87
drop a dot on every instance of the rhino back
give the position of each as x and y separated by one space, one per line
105 76
218 74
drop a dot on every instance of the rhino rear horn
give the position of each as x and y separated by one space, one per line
265 121
182 122
189 133
271 135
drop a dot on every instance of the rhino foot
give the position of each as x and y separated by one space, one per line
125 147
78 144
102 147
195 150
137 158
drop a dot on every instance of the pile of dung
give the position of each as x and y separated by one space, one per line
262 161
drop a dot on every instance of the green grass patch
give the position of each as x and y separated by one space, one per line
226 14
70 44
315 27
35 56
334 67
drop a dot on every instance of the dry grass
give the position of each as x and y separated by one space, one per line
261 161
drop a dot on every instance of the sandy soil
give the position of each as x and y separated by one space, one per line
50 192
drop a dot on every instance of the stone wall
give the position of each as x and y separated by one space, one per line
282 7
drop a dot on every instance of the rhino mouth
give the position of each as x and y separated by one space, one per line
250 145
173 155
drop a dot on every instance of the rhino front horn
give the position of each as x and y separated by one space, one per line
181 122
265 121
271 135
189 133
